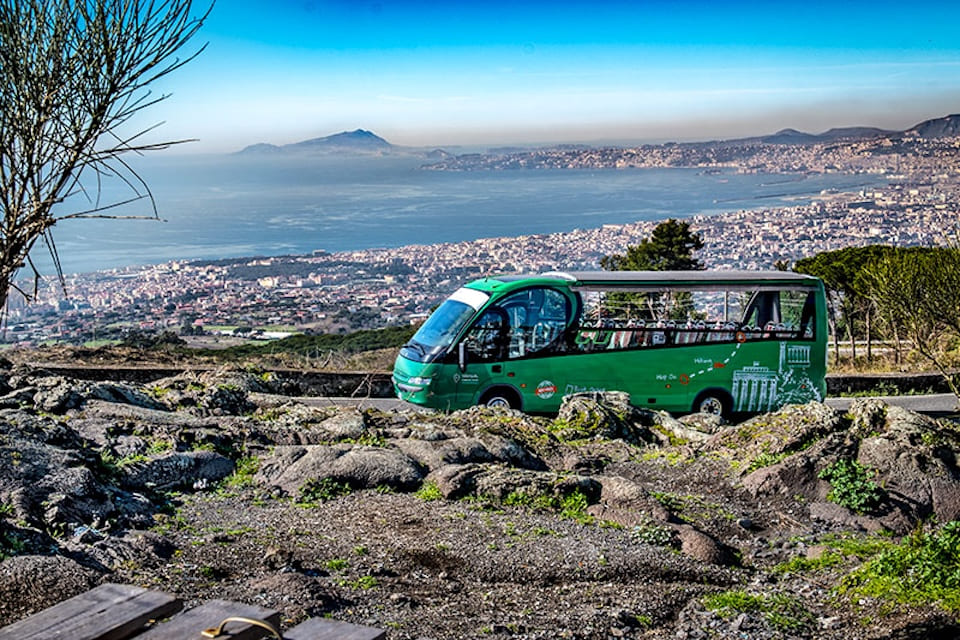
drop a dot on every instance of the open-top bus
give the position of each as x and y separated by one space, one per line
682 341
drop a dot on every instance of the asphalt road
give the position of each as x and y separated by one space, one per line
935 405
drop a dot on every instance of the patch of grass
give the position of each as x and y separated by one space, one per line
269 415
159 392
766 459
643 621
851 486
672 439
862 547
692 508
923 569
782 612
518 499
670 457
106 464
156 447
809 565
10 545
363 582
322 490
336 564
429 492
884 389
243 473
368 439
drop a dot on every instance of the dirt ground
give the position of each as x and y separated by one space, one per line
599 523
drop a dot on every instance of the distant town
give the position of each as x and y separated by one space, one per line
269 297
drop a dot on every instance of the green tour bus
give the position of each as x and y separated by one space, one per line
682 341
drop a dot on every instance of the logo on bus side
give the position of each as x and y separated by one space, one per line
545 390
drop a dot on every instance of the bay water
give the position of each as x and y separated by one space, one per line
241 205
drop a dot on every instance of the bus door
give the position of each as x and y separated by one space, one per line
513 348
482 351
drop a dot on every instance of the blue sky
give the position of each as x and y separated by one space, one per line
494 72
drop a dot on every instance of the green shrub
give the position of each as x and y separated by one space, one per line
574 507
923 569
851 486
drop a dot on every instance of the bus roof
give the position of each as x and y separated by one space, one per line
676 280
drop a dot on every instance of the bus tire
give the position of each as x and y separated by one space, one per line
714 401
504 397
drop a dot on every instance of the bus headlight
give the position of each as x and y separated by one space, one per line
420 381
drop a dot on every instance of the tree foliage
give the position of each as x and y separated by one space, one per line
73 74
840 270
669 248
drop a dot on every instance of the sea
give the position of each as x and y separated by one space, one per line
228 206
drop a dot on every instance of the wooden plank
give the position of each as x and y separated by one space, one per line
324 629
190 624
108 612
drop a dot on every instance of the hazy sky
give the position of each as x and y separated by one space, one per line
484 72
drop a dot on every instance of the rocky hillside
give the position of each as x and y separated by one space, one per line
603 522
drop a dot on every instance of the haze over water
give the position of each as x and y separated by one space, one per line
235 206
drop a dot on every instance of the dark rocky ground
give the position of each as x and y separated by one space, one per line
603 522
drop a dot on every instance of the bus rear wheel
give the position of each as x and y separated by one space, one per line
501 397
714 401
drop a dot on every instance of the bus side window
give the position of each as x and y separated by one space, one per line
487 337
763 312
798 309
537 318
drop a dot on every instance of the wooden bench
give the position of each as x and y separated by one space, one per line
116 612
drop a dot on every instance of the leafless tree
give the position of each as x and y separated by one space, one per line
73 74
917 296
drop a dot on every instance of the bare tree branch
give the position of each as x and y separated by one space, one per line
74 74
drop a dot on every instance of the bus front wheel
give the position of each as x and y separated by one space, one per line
714 401
501 397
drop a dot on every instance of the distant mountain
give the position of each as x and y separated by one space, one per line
936 128
789 136
365 142
847 133
358 141
944 127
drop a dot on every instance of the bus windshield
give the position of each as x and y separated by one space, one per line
442 327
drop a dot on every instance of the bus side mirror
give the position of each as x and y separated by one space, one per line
462 356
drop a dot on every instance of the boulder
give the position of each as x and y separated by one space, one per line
915 459
702 547
289 468
191 469
498 483
346 425
706 423
31 583
604 415
46 474
456 481
434 454
792 428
